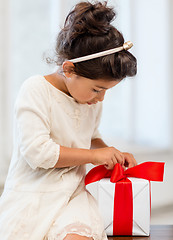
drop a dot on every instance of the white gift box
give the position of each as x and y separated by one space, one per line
141 205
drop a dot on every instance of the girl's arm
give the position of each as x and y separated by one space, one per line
69 157
107 156
97 143
99 154
75 156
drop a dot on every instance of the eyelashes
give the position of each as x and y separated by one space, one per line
94 90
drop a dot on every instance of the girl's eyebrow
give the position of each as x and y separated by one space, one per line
101 87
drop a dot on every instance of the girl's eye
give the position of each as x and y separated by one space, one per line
94 90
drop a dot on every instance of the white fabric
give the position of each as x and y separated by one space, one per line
40 202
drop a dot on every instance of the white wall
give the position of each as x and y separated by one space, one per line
153 44
25 30
5 117
142 104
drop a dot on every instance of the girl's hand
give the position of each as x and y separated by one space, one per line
129 160
107 156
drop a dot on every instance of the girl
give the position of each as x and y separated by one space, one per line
56 120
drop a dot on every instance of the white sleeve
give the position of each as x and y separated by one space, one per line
96 133
32 113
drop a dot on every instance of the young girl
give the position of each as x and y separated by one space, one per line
56 120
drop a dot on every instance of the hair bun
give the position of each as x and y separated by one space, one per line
88 18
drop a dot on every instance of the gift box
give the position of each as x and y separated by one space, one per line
140 208
124 197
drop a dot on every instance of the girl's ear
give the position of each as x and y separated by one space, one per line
68 68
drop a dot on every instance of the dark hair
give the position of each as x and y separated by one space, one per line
87 30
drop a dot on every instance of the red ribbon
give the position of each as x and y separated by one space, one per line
123 199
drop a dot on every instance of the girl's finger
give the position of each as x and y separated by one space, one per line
114 160
130 160
109 165
120 158
134 160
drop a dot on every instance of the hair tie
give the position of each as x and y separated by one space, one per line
126 46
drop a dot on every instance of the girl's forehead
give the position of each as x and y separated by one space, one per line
104 84
100 83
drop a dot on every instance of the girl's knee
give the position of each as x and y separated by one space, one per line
76 237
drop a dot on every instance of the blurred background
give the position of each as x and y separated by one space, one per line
137 114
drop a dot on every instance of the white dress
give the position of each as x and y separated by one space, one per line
41 202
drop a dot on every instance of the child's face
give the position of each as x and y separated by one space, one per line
85 90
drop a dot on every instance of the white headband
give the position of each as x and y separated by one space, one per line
126 46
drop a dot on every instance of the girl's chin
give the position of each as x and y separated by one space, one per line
89 103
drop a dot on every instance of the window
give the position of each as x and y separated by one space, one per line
138 110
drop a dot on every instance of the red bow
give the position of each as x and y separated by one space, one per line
152 171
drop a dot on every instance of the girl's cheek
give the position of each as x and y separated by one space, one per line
87 95
91 96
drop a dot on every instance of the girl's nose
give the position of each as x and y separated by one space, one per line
101 96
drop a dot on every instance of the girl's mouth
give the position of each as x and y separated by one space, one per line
89 103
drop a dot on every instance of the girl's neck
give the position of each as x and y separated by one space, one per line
58 81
